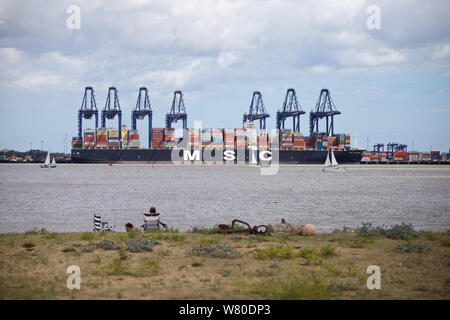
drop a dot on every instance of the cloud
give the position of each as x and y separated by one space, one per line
374 58
321 69
442 52
440 110
10 55
198 43
37 80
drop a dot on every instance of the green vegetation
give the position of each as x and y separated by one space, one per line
445 242
407 246
133 233
399 231
224 266
209 241
295 289
35 230
221 250
431 235
274 252
328 251
28 245
151 266
88 236
177 238
118 267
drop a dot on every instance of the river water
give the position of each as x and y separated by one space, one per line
65 198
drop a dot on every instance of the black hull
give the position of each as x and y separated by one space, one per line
208 155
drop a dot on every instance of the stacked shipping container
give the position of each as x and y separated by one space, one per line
228 135
217 138
435 156
89 138
169 137
194 138
102 139
206 138
113 138
241 141
299 140
158 138
133 139
262 139
286 139
77 143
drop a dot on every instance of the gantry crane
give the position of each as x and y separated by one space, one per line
325 108
112 109
378 147
257 111
394 146
291 108
143 108
87 110
177 110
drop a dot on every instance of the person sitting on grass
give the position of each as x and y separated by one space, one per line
128 227
151 220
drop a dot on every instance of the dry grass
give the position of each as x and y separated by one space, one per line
325 266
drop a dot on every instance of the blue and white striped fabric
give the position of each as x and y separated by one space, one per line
97 221
151 221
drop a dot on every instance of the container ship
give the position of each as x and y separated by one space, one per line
210 145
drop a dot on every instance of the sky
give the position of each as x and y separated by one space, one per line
385 63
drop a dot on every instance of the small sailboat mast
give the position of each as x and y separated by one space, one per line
331 165
53 164
333 159
327 162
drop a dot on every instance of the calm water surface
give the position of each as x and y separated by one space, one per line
64 199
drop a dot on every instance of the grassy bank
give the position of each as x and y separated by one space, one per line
205 265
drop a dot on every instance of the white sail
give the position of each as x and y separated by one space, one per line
327 162
53 164
47 160
333 159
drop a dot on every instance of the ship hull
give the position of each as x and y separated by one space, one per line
170 156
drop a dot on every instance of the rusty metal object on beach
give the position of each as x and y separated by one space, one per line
261 229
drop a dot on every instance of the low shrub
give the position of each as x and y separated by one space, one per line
328 251
88 236
133 233
151 265
399 231
209 241
35 230
431 235
177 238
405 246
296 289
274 252
106 244
140 245
51 236
220 250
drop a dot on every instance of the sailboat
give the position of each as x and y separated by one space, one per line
331 166
47 161
53 163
